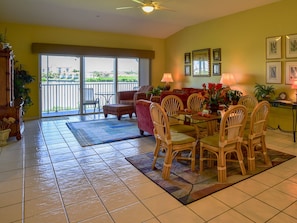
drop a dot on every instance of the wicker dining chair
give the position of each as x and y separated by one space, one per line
172 105
173 144
219 146
254 136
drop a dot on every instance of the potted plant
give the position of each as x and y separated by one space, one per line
5 124
263 92
233 96
21 91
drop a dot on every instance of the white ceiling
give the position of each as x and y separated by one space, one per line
101 15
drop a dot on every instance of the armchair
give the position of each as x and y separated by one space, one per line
130 97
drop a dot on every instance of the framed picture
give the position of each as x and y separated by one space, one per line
216 54
201 63
187 58
187 70
273 73
216 69
291 72
274 47
291 46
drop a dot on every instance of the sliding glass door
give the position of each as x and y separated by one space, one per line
65 79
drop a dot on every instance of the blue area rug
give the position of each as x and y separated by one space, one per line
101 131
187 186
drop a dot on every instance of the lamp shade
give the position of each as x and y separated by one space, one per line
294 85
227 79
167 78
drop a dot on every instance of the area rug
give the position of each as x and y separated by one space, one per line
96 132
187 186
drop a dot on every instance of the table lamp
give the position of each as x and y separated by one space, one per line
227 79
294 86
167 78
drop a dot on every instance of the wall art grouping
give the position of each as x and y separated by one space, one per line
198 62
276 57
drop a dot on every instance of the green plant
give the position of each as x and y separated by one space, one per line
263 92
156 91
21 91
234 95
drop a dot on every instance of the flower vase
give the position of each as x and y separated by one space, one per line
214 108
4 135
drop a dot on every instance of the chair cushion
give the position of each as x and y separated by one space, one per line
180 138
212 140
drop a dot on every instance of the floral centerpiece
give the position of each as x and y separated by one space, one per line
213 95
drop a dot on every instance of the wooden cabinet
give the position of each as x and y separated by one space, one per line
9 107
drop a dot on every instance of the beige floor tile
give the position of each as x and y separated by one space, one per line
281 217
231 196
11 185
11 213
85 210
292 210
276 198
105 218
52 216
208 207
118 199
251 187
181 214
43 204
78 194
287 187
161 203
135 213
230 216
11 197
256 210
146 190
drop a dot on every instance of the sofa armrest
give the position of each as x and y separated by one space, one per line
144 120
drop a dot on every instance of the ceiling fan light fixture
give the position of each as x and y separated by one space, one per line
148 8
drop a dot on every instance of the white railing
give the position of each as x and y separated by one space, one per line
65 96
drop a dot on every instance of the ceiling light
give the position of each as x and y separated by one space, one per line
148 8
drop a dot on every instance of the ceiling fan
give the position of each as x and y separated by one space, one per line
146 6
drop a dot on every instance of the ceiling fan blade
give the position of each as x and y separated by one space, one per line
139 2
127 7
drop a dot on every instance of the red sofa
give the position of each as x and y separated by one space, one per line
144 120
183 93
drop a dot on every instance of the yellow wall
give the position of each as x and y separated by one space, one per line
22 36
242 39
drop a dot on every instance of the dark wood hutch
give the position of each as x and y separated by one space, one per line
9 106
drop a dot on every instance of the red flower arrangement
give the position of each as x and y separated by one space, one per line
213 95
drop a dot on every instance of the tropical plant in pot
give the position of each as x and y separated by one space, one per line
21 79
263 92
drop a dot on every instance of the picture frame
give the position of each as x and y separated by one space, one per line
187 70
216 54
274 72
291 72
187 58
274 47
216 69
201 63
291 46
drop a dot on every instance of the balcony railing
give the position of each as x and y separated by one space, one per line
64 97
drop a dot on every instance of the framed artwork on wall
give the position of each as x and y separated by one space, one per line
201 63
187 58
274 47
187 70
273 72
216 69
216 54
291 72
291 46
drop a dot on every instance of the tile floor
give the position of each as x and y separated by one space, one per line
48 177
